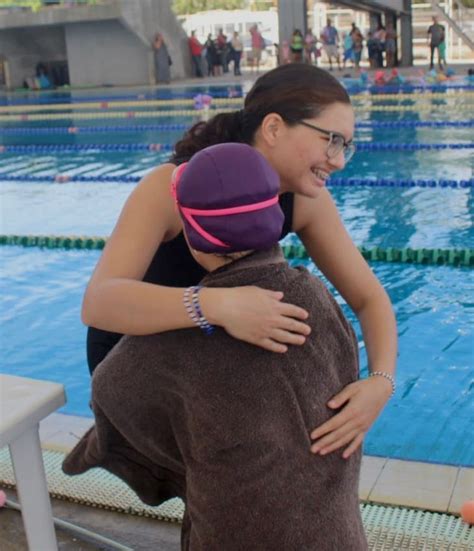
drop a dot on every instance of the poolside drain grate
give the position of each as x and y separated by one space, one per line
387 528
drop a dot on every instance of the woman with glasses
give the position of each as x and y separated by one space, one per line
300 118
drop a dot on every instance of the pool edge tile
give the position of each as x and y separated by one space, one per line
371 470
415 484
463 489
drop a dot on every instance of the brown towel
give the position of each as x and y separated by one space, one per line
225 425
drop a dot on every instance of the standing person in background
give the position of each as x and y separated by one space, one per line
357 44
237 48
372 50
436 34
297 46
310 42
442 53
379 37
330 40
390 45
258 44
196 53
222 50
211 54
348 48
162 60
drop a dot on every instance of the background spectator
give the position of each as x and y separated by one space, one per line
237 48
390 45
330 40
348 48
436 33
372 49
310 47
258 44
296 46
195 48
379 37
357 44
162 60
223 50
210 54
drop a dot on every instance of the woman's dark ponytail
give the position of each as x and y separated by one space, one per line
224 127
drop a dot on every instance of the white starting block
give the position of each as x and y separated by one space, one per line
23 404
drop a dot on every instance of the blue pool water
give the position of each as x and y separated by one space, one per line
431 416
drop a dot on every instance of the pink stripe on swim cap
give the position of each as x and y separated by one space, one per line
188 213
175 177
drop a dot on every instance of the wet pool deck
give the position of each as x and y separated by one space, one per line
416 484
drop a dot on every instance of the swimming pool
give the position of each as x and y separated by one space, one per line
431 416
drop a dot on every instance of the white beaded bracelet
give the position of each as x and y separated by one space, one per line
388 377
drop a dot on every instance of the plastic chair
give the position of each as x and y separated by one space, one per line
23 404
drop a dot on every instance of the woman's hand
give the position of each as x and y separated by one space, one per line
257 316
364 401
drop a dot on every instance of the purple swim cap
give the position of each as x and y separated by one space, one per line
227 197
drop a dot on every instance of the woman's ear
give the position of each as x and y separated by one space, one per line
272 128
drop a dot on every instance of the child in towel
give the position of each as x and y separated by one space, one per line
223 424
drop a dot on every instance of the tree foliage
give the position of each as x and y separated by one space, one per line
188 7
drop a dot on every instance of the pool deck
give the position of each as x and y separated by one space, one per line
429 486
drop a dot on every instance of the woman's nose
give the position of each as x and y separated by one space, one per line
338 161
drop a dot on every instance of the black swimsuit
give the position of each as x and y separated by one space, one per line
172 266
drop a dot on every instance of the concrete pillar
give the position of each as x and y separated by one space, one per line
291 16
375 20
406 34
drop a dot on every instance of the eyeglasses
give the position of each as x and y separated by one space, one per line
337 143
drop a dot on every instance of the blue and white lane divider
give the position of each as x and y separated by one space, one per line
332 182
39 130
120 148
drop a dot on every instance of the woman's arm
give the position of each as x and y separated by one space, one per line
319 226
329 245
117 299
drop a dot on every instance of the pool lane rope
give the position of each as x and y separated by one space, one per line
39 130
354 89
438 257
332 182
188 112
117 104
120 148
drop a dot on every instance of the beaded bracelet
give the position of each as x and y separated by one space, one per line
193 308
387 376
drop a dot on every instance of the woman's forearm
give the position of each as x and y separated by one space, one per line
379 329
136 308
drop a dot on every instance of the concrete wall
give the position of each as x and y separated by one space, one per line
105 52
148 17
24 48
58 15
394 5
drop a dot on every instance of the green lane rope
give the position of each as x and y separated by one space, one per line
54 241
437 257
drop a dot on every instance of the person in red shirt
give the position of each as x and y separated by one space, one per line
196 51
